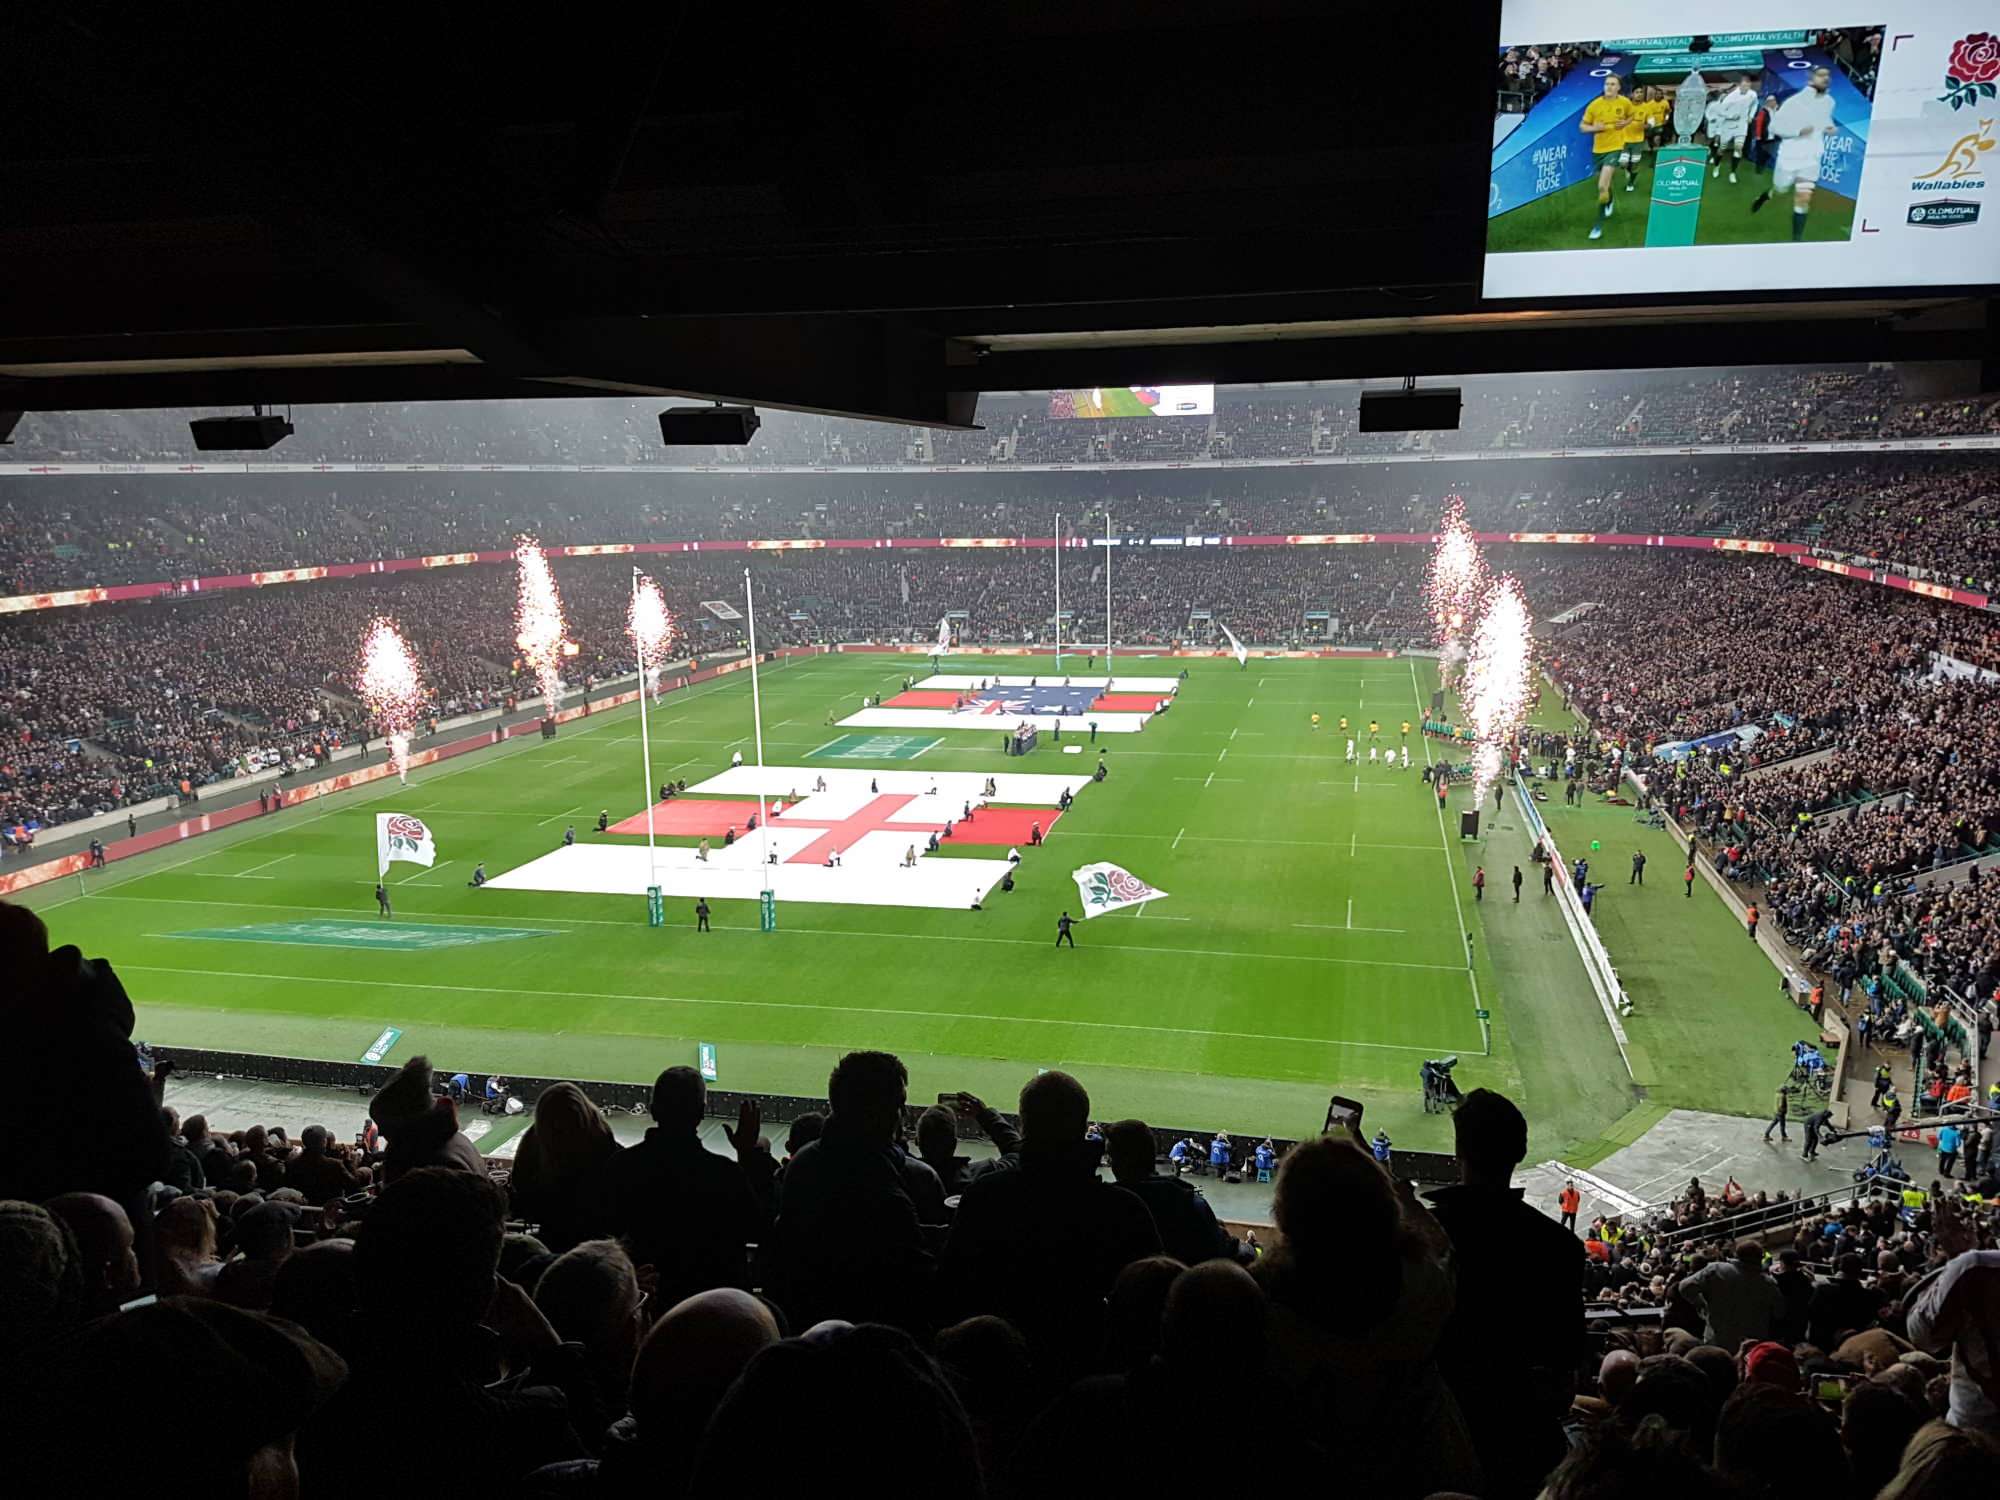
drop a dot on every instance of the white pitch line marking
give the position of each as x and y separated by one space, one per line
421 873
1338 927
1211 780
1177 840
1232 735
559 816
246 875
935 1015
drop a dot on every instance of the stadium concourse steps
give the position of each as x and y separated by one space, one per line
1802 553
1428 1168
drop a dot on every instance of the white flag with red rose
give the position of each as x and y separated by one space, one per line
400 836
1107 887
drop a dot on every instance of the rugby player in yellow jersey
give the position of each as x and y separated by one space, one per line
1607 120
1653 114
1635 138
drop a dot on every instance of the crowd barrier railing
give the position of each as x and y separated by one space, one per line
1590 948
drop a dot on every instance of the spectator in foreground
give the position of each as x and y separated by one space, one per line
422 1125
1956 1310
1841 1306
315 1289
318 1171
1214 1320
1511 1348
1188 1228
591 1296
103 1237
1760 1434
1876 1425
71 1060
264 1236
1944 1462
849 1237
1738 1302
434 1318
1360 1292
835 1382
683 1209
43 1299
108 1428
937 1142
1042 1245
569 1141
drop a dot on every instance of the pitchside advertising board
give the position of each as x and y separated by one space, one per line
1899 153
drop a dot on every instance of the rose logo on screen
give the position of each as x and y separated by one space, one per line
1970 75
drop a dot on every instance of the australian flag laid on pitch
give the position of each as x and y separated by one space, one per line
1058 700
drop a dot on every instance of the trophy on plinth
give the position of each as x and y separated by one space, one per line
1690 105
1673 210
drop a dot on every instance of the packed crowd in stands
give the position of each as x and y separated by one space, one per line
1929 516
664 1318
1873 769
1549 411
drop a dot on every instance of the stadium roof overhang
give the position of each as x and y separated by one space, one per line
877 210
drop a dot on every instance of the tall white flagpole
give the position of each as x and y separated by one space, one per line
1058 596
645 746
1107 599
757 728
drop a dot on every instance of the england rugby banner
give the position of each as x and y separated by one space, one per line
1236 647
400 836
943 646
1105 887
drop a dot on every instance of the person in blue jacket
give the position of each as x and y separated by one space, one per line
1219 1153
1178 1155
1380 1146
1267 1155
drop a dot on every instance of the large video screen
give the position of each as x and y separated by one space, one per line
1823 149
1135 401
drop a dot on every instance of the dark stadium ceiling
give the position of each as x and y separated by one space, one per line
875 209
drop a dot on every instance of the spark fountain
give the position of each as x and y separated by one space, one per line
391 688
1455 586
1499 682
538 622
650 627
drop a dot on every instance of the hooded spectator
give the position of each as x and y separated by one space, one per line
1360 1292
569 1142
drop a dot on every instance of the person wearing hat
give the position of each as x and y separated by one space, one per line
1772 1364
264 1236
421 1124
106 1426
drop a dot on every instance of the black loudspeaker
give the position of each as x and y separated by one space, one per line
253 434
1412 410
1468 823
725 426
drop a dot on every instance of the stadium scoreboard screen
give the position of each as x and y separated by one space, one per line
1135 401
1784 147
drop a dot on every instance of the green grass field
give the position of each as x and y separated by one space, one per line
1563 220
1312 941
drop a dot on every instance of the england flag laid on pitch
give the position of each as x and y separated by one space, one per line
400 836
1107 887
